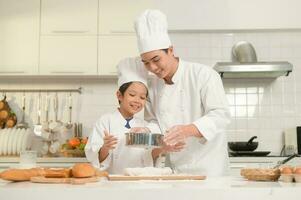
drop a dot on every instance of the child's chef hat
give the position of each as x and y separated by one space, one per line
131 69
151 31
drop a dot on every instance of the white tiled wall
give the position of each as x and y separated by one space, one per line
258 107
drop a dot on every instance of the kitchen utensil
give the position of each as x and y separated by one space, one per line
69 123
163 177
249 153
56 124
243 146
38 127
22 123
79 130
145 140
244 52
46 123
285 161
54 147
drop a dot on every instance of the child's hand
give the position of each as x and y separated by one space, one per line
110 141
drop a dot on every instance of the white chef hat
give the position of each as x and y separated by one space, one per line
151 31
131 69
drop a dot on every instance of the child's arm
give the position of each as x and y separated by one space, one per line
110 142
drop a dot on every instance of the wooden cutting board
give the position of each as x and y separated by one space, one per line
42 179
165 177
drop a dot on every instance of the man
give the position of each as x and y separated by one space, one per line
187 101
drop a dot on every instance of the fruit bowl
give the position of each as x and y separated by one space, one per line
74 147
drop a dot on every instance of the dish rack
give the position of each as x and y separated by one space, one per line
13 141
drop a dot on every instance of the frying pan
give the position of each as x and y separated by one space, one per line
243 146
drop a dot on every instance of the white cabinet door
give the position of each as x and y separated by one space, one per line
117 16
231 14
113 48
69 16
19 36
68 55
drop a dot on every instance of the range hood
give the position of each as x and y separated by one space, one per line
244 65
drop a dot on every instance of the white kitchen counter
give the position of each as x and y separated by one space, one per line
212 188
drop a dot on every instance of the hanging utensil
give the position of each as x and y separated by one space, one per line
46 131
38 127
22 123
285 161
69 123
56 124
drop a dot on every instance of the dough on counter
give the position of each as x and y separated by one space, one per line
147 171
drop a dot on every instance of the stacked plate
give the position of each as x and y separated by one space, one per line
13 141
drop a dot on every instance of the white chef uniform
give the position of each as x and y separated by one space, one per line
196 96
122 156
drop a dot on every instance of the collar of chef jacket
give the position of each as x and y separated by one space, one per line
176 77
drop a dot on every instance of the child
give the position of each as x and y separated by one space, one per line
106 144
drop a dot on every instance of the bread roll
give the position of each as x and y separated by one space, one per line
83 170
26 174
57 173
21 174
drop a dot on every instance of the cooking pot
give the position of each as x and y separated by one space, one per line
244 52
243 146
144 140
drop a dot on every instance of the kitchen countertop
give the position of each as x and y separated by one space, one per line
212 188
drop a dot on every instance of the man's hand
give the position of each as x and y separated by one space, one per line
173 148
179 133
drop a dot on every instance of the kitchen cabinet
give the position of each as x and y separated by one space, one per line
68 44
19 37
231 14
117 16
113 48
69 17
68 55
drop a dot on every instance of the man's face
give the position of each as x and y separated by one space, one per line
158 62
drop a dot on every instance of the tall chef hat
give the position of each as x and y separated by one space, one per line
151 31
131 69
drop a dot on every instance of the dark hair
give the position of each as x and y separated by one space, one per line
125 86
165 50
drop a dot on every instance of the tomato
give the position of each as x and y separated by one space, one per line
74 142
84 140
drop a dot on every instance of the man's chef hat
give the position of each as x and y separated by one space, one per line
151 31
131 69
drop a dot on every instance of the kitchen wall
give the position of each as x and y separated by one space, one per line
258 106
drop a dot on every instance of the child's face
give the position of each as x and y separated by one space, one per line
134 98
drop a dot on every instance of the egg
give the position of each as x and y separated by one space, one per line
297 170
287 170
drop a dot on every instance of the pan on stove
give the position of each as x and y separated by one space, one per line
250 145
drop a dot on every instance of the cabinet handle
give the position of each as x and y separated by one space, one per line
122 31
66 31
12 72
65 72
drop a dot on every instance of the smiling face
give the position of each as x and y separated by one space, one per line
160 62
133 99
